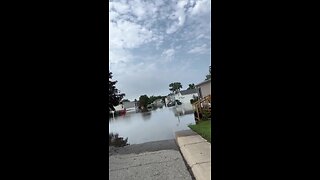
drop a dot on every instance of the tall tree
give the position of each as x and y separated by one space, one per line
209 75
175 87
143 101
153 98
191 86
114 94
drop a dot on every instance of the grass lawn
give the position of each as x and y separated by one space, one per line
203 128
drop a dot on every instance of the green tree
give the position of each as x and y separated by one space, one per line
175 87
114 94
209 75
143 101
153 98
191 86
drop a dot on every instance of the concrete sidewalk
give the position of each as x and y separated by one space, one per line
149 161
197 152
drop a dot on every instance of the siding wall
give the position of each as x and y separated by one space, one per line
185 98
205 89
129 104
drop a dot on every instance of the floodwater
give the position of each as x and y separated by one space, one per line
155 125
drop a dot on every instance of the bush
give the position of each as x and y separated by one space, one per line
194 100
206 115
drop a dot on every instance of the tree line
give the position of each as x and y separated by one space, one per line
115 96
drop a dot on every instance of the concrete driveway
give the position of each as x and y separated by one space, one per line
160 160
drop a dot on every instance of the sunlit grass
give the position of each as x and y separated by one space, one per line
203 128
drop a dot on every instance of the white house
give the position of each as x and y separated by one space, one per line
204 88
185 96
129 106
169 98
119 107
158 103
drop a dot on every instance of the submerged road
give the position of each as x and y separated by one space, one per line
160 160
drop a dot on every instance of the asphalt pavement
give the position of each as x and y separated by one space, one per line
160 160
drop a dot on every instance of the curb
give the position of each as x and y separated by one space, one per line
197 153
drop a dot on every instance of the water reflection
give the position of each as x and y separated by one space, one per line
177 113
146 115
183 109
115 140
155 125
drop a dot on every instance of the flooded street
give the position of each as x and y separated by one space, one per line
156 125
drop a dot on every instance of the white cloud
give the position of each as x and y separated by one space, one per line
138 10
201 7
143 9
144 38
150 78
118 55
199 49
135 23
168 54
178 17
121 8
125 34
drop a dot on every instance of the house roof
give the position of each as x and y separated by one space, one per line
170 95
188 91
204 82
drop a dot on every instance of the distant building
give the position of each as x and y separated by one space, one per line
158 103
127 104
185 96
169 99
119 107
204 88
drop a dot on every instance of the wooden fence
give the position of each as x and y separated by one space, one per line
202 105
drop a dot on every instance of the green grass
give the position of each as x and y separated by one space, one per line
203 128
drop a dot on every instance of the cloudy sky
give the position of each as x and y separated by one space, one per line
155 42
